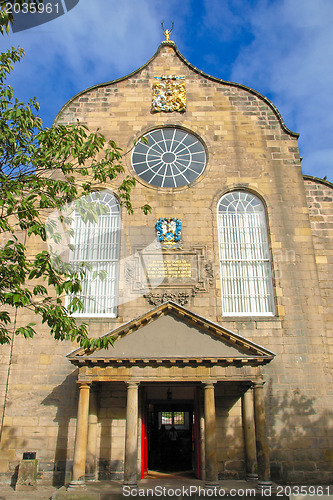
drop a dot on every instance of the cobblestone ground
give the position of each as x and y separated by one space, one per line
112 490
41 493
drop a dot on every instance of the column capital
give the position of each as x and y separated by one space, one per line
83 384
209 383
135 384
258 384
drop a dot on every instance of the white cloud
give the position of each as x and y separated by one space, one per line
282 48
290 60
96 41
92 38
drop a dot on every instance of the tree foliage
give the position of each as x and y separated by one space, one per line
41 170
6 14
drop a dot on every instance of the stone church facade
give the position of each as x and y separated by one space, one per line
219 300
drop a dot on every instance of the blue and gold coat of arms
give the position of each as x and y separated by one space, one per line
169 232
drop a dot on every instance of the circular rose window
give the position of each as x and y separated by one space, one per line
169 157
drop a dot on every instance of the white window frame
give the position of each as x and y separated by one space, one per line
245 260
186 162
98 245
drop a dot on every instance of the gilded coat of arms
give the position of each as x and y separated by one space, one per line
169 94
169 231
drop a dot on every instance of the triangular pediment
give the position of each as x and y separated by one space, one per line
171 332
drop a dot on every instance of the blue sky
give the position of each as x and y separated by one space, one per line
281 48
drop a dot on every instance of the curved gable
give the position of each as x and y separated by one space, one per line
236 92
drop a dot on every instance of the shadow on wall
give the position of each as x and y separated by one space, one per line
299 441
11 440
230 440
112 418
64 397
111 404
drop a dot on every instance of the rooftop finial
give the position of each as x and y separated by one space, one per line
167 33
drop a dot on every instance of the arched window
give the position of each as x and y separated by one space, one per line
245 265
97 244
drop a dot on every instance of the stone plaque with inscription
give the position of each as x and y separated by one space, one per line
169 275
172 269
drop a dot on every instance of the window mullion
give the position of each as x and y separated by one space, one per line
97 244
244 255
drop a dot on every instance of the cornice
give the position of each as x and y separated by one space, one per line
317 179
252 350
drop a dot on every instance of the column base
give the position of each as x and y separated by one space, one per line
264 487
252 477
130 484
90 477
79 484
211 484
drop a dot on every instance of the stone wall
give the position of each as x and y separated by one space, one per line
229 432
248 147
320 202
112 422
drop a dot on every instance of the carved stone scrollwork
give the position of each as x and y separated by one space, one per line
209 270
129 272
169 275
156 299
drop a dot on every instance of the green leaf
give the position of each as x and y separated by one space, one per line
41 171
146 209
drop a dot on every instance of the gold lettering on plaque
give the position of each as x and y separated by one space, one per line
179 268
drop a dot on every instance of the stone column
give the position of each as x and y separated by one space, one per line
91 461
249 435
80 447
264 474
210 435
131 439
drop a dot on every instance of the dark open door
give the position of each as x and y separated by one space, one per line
196 435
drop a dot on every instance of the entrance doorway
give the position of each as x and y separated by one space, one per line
170 434
170 437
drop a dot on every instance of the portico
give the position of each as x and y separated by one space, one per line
171 358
